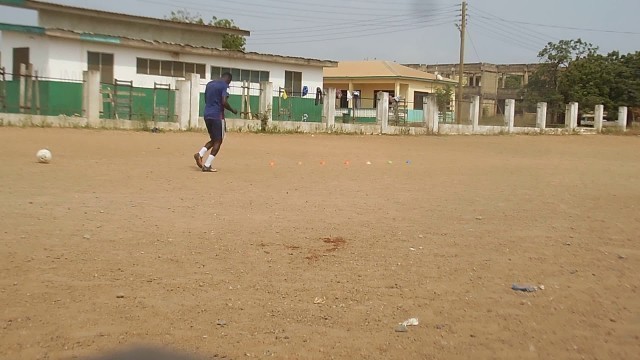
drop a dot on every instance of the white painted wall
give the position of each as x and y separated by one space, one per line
67 59
38 50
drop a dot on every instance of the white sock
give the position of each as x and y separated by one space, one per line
209 160
202 151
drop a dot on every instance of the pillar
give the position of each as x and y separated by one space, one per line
571 116
91 98
194 110
541 116
622 117
598 118
351 92
382 111
23 86
509 114
183 103
475 112
329 108
430 109
266 101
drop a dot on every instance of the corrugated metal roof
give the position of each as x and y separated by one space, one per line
378 69
187 48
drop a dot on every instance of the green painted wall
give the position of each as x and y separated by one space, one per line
294 109
236 102
56 98
142 103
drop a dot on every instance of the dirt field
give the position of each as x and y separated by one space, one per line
121 241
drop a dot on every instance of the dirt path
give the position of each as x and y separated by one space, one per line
121 241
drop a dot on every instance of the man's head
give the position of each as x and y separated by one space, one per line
227 77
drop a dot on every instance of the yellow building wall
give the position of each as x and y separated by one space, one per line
367 89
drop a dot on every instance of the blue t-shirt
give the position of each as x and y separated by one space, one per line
214 93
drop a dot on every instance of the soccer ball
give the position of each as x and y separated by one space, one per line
44 156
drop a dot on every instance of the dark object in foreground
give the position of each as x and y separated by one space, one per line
146 353
524 287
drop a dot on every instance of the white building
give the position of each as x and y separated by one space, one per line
70 40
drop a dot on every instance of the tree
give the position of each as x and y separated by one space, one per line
443 97
545 83
229 42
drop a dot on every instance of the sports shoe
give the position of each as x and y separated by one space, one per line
208 169
198 159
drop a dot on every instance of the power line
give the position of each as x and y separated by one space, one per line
377 26
362 35
566 27
474 46
504 38
525 31
291 11
487 25
355 24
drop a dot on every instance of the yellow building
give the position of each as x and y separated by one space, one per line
367 78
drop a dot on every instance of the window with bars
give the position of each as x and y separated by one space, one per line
169 68
252 76
101 62
293 82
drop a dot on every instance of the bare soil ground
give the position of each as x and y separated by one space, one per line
120 241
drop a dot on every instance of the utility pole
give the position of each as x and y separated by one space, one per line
463 32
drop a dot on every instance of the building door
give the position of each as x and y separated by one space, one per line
418 100
101 62
20 56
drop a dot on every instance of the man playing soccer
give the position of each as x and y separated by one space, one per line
216 101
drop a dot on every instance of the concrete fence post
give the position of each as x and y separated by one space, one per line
571 116
91 97
23 86
382 112
430 109
475 112
598 118
266 101
194 100
541 116
509 114
622 117
183 103
329 108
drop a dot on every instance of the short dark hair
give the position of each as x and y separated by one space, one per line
227 75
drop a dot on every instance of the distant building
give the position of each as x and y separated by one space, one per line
370 77
366 79
493 83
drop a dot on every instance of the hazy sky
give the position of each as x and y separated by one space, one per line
407 31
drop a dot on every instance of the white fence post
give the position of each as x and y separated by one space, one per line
598 118
622 118
382 112
266 101
475 112
541 116
571 116
509 114
329 108
183 103
91 95
194 110
430 111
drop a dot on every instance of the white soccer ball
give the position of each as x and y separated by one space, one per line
44 156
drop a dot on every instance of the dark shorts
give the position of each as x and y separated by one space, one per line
216 128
